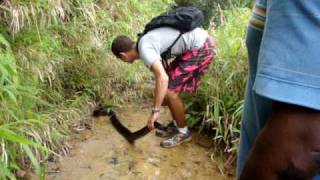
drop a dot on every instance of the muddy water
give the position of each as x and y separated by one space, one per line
106 155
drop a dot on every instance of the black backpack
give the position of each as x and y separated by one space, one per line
183 18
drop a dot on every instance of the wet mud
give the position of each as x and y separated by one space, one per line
105 155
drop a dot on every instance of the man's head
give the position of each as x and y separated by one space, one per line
124 48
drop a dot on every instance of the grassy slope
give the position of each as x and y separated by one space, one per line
55 60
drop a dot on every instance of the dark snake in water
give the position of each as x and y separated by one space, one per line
124 131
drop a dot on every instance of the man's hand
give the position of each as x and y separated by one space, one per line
153 118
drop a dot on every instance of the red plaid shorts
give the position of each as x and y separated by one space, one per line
185 71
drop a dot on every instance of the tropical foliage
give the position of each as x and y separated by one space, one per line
55 64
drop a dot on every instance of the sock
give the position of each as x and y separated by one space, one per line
183 130
175 123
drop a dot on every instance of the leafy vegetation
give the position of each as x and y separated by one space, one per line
219 101
213 9
55 63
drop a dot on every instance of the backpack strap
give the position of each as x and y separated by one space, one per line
167 54
138 40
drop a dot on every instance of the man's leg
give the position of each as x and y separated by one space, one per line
185 72
176 107
175 104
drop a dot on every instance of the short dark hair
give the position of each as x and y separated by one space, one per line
121 44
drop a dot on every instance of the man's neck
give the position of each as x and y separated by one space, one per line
136 53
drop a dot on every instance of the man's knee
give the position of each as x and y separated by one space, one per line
171 95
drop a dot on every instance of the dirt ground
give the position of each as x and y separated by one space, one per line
104 154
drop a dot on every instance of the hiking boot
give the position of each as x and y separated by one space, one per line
169 130
176 139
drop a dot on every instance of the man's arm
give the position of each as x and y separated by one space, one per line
160 91
162 80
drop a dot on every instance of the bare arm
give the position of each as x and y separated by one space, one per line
160 91
296 127
162 80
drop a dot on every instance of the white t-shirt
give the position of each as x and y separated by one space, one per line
157 41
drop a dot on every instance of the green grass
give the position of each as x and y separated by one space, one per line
55 61
219 102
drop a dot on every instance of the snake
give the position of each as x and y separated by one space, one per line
131 137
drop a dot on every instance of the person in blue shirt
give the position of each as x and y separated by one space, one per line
280 130
256 108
